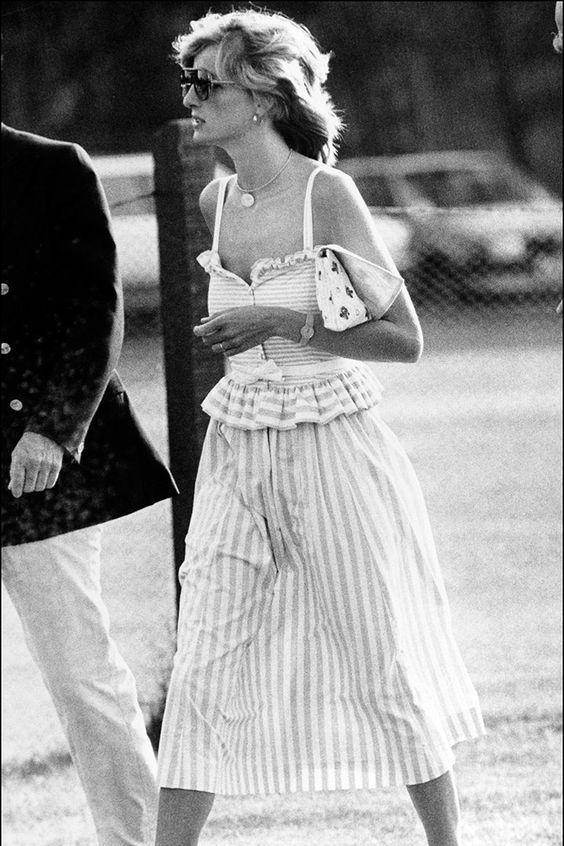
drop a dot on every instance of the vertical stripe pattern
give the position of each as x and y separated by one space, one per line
315 645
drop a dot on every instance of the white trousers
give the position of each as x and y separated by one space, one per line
54 585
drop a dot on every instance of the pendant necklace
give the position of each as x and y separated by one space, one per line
247 198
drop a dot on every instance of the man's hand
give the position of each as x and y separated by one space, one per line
36 464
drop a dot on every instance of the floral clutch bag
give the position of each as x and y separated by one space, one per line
347 299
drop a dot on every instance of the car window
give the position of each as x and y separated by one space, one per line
375 190
450 188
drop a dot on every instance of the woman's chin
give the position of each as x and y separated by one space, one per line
197 137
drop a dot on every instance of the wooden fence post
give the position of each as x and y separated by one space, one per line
181 172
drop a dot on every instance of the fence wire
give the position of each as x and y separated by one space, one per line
470 259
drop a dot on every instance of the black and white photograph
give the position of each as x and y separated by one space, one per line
282 423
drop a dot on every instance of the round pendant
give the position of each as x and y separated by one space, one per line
247 200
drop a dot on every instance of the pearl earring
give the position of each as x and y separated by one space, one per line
256 119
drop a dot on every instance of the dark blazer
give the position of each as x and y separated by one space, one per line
62 330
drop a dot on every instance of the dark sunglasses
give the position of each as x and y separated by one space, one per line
201 82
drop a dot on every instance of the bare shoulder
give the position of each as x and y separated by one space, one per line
342 217
337 202
208 201
330 180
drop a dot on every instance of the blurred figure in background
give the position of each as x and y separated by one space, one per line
315 648
557 44
73 456
557 40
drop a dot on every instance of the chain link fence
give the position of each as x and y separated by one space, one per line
454 260
483 258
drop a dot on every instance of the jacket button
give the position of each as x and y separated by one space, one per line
6 348
16 405
5 288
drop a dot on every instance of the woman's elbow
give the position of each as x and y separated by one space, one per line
412 348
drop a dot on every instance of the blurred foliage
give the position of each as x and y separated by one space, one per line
408 76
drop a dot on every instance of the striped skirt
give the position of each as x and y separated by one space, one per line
315 648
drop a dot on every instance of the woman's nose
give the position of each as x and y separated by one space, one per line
189 99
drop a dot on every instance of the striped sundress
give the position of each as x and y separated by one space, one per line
315 648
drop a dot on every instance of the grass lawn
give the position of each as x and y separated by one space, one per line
480 417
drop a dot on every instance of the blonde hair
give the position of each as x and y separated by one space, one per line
268 53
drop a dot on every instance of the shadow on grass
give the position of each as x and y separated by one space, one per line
43 765
57 761
155 722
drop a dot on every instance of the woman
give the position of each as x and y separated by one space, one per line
315 650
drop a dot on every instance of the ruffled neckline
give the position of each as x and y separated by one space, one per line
211 260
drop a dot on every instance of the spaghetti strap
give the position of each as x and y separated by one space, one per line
219 210
308 213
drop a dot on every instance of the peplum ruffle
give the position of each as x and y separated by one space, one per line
285 404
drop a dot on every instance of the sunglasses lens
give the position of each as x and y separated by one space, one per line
190 77
202 89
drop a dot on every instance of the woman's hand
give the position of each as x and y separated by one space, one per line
238 329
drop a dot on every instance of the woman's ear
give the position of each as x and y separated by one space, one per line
263 104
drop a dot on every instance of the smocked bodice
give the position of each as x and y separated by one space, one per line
279 383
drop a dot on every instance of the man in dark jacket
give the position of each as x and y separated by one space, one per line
73 456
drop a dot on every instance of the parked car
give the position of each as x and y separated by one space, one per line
469 222
129 186
462 221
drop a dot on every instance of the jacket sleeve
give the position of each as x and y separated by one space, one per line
89 301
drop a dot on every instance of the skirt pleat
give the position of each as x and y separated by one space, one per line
315 645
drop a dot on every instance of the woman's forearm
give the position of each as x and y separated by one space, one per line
376 340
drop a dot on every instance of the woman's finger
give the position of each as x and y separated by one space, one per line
203 331
239 345
214 324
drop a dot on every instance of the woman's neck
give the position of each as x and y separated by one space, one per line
258 162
